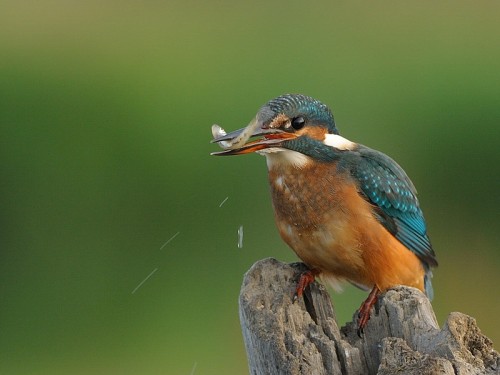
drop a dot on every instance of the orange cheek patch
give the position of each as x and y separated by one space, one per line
314 132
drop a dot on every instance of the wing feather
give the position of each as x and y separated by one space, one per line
394 197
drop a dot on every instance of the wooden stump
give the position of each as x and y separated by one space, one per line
402 336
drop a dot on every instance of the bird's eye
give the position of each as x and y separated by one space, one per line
298 123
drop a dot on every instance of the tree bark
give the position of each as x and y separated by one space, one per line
402 335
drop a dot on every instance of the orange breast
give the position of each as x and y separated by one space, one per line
322 217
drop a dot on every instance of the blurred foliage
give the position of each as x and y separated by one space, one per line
105 114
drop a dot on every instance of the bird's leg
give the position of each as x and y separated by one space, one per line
306 278
365 309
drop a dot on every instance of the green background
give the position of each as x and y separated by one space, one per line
105 114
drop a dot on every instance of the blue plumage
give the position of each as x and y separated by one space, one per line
384 183
294 105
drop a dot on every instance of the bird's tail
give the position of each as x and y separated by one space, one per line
428 283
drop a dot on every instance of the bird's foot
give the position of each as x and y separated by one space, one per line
306 278
365 309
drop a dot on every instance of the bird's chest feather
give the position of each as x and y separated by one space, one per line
316 213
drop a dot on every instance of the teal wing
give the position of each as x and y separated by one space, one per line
384 184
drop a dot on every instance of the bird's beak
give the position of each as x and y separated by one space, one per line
236 142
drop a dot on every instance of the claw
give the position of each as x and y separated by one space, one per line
306 278
365 309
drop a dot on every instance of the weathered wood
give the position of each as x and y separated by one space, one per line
402 336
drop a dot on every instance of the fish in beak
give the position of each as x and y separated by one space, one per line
236 142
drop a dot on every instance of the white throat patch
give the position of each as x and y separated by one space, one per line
338 142
277 156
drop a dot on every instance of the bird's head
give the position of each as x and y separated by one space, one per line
291 122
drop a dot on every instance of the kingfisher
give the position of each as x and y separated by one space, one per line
349 212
